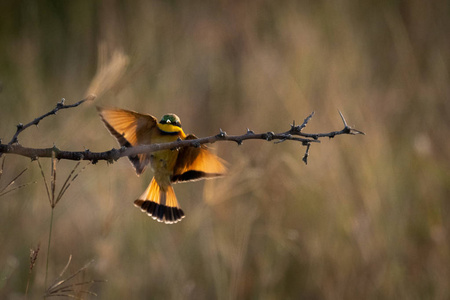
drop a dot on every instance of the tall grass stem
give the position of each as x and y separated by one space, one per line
48 246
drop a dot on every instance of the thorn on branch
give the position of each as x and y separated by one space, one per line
222 133
294 128
347 129
356 131
60 104
250 131
343 119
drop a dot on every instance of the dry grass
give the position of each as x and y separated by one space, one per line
367 218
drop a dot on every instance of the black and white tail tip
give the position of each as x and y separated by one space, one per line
161 213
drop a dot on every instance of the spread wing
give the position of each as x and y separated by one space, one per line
130 129
197 163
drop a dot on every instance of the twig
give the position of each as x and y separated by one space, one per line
305 157
59 106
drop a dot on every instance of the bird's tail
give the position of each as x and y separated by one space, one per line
160 203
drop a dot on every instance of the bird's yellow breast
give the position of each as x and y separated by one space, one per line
163 162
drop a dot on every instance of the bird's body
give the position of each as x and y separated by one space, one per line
169 166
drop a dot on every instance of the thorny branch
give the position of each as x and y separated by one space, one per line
295 133
59 106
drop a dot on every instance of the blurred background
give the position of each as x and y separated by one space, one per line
367 218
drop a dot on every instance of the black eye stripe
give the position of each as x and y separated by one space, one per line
175 124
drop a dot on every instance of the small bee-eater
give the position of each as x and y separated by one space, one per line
169 166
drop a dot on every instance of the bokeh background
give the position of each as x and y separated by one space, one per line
367 218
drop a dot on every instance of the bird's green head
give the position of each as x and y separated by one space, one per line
171 119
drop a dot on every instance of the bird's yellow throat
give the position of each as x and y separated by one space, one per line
170 128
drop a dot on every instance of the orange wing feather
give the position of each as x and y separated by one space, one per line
130 129
197 163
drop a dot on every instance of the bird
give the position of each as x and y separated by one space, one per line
171 166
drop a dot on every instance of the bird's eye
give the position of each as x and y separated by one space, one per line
168 121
